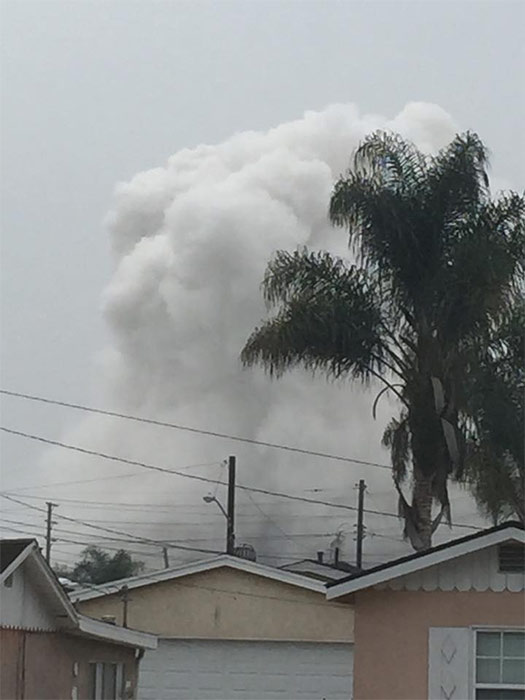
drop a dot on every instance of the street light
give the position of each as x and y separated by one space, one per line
230 537
214 499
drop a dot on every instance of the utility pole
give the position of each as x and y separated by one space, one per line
360 526
165 555
230 516
49 525
124 596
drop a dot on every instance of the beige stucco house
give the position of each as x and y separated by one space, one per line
48 650
448 623
232 628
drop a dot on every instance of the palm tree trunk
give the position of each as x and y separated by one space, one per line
422 508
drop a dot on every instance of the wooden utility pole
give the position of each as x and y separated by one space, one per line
230 515
124 596
49 525
360 525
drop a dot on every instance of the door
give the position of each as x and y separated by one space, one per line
224 670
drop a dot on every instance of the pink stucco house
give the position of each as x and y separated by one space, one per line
448 623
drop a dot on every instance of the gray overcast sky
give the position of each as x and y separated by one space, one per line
93 92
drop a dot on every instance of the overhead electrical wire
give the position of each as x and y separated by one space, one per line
35 525
123 506
136 538
196 477
271 521
106 478
200 431
144 465
66 541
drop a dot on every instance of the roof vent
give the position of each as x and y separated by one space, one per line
511 558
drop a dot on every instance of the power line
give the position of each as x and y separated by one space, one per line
69 541
125 505
81 504
164 470
35 525
199 431
137 538
276 526
196 477
105 478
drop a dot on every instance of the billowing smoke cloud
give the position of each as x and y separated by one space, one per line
191 242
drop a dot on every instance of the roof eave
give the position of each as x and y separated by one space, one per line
432 558
97 629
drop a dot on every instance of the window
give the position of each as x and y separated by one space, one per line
500 665
106 681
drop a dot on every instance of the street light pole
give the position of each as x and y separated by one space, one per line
230 517
229 514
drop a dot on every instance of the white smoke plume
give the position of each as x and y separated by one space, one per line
191 241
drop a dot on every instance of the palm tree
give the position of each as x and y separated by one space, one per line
438 264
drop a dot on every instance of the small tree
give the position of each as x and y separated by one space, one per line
97 566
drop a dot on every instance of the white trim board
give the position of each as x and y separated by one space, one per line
224 560
442 554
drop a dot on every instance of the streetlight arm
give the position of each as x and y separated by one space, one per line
213 499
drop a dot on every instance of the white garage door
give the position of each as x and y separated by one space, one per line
221 670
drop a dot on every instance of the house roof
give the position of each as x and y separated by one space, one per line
321 571
511 530
222 561
28 554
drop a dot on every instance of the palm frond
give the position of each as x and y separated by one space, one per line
457 177
480 281
391 161
326 320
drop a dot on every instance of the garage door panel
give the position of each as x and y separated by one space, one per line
224 670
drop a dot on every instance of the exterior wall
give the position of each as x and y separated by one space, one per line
392 633
477 571
229 604
41 665
21 604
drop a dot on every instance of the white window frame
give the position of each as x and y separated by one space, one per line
491 686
